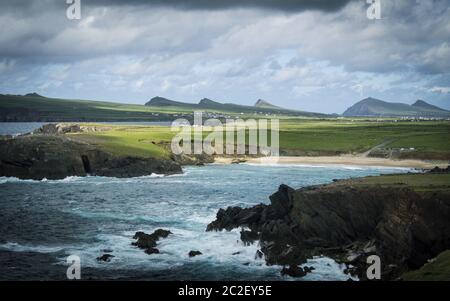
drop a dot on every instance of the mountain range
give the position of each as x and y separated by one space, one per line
372 107
261 106
35 107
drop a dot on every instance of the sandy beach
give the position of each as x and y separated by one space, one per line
339 160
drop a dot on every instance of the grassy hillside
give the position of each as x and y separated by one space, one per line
299 137
32 108
37 108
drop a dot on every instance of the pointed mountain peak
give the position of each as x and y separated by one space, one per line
372 107
370 100
207 101
161 101
265 104
34 94
425 105
420 102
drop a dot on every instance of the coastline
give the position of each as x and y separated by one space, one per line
338 160
350 220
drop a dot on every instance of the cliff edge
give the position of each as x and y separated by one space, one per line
405 220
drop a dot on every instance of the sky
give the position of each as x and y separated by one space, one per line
312 55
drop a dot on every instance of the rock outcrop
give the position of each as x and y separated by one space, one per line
437 169
148 242
194 253
296 271
58 156
64 128
105 257
198 160
403 226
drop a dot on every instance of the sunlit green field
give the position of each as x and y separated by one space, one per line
130 140
360 136
428 139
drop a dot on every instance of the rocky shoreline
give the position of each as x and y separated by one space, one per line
57 157
50 153
403 226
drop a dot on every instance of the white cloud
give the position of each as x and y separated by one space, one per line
443 90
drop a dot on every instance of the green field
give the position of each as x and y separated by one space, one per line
347 136
299 135
316 137
130 140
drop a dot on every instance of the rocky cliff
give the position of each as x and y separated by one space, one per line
58 156
347 222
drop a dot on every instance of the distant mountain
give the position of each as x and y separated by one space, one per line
372 107
164 102
207 103
261 106
35 107
34 94
426 106
265 104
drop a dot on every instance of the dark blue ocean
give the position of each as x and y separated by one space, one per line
43 222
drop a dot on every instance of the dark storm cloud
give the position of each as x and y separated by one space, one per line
280 5
241 50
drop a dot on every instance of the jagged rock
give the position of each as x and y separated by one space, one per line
64 128
234 217
161 233
58 128
259 254
308 269
194 253
238 161
348 223
439 170
149 241
144 241
105 257
249 237
150 251
282 201
293 271
194 159
281 253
